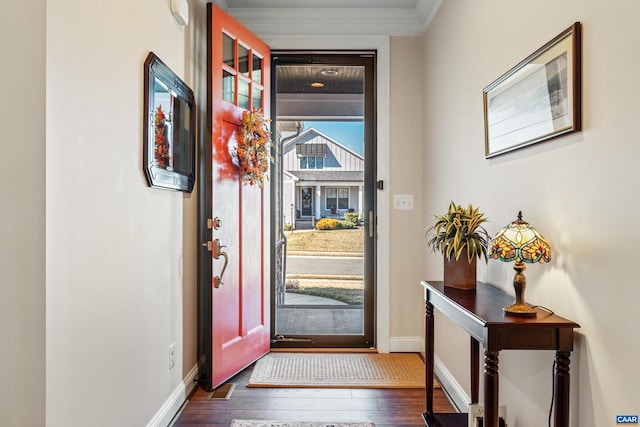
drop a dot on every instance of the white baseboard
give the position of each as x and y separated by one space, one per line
406 345
451 386
173 404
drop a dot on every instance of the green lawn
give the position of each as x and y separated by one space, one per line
349 296
326 240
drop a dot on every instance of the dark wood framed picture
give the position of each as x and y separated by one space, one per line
538 99
169 128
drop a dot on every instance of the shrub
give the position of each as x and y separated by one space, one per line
352 217
292 284
287 227
328 224
334 224
347 225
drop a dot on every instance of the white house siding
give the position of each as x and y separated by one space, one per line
289 198
338 156
342 168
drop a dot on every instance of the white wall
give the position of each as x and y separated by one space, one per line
405 158
580 191
22 216
120 255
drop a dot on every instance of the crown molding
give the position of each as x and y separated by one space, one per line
402 21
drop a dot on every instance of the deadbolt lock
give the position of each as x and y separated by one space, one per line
214 223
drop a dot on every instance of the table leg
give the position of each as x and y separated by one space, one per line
561 382
475 370
491 388
428 356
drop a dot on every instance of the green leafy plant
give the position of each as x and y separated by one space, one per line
352 217
459 229
346 225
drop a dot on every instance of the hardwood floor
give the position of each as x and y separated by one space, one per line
384 407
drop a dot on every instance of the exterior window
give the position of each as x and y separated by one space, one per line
332 194
343 198
337 198
311 162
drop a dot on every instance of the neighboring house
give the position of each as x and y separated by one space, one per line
322 178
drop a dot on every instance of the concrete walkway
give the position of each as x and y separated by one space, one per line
302 299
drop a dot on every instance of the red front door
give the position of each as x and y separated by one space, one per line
240 317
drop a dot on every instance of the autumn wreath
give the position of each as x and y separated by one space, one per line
161 148
254 148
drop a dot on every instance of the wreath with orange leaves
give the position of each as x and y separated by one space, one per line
254 148
161 149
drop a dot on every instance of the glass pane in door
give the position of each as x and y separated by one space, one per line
328 295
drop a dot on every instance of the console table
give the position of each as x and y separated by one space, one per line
480 314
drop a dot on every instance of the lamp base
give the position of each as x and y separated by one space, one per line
522 310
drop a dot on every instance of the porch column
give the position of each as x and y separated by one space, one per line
318 200
360 199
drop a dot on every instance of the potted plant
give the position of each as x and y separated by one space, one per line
459 235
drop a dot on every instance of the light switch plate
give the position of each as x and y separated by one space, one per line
403 202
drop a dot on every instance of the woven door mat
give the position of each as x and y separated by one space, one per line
339 370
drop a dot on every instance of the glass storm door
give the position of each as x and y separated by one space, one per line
324 292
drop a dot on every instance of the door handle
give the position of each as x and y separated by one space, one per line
217 253
370 223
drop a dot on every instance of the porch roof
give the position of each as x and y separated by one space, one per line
324 175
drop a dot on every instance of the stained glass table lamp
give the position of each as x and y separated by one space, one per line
521 243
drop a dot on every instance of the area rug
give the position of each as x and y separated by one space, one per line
256 423
339 370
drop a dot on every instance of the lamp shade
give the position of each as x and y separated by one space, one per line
518 241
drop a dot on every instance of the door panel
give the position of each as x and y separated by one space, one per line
234 320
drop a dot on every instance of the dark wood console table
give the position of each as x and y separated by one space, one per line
480 314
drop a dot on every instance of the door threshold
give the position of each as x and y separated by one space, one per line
324 350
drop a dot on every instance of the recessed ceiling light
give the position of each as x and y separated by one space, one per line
317 84
329 72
